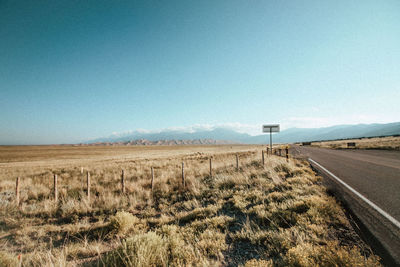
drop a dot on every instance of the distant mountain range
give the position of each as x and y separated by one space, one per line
225 135
145 142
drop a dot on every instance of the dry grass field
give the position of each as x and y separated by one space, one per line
387 143
276 214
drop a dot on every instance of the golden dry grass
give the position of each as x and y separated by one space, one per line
272 215
58 154
387 143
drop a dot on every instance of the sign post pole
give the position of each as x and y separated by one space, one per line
272 128
270 138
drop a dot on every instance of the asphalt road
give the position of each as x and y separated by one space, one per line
375 174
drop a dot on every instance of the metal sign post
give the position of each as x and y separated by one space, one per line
270 139
272 128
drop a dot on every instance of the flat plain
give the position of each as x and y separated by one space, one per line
242 213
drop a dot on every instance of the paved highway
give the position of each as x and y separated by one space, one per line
375 174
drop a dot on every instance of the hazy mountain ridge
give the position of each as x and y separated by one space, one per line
145 142
228 136
215 134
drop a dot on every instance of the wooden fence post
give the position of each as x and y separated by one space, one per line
287 154
88 185
262 155
123 182
82 178
152 179
55 188
237 162
210 166
183 175
17 191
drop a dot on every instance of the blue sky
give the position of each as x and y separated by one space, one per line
77 70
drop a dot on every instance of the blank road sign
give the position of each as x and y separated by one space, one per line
274 128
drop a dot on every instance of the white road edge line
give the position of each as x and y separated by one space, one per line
382 212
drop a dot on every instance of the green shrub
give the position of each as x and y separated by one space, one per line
141 250
330 255
7 259
211 243
122 222
181 246
258 263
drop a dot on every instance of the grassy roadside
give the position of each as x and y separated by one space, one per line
272 215
385 143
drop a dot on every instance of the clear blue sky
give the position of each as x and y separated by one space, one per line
76 70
